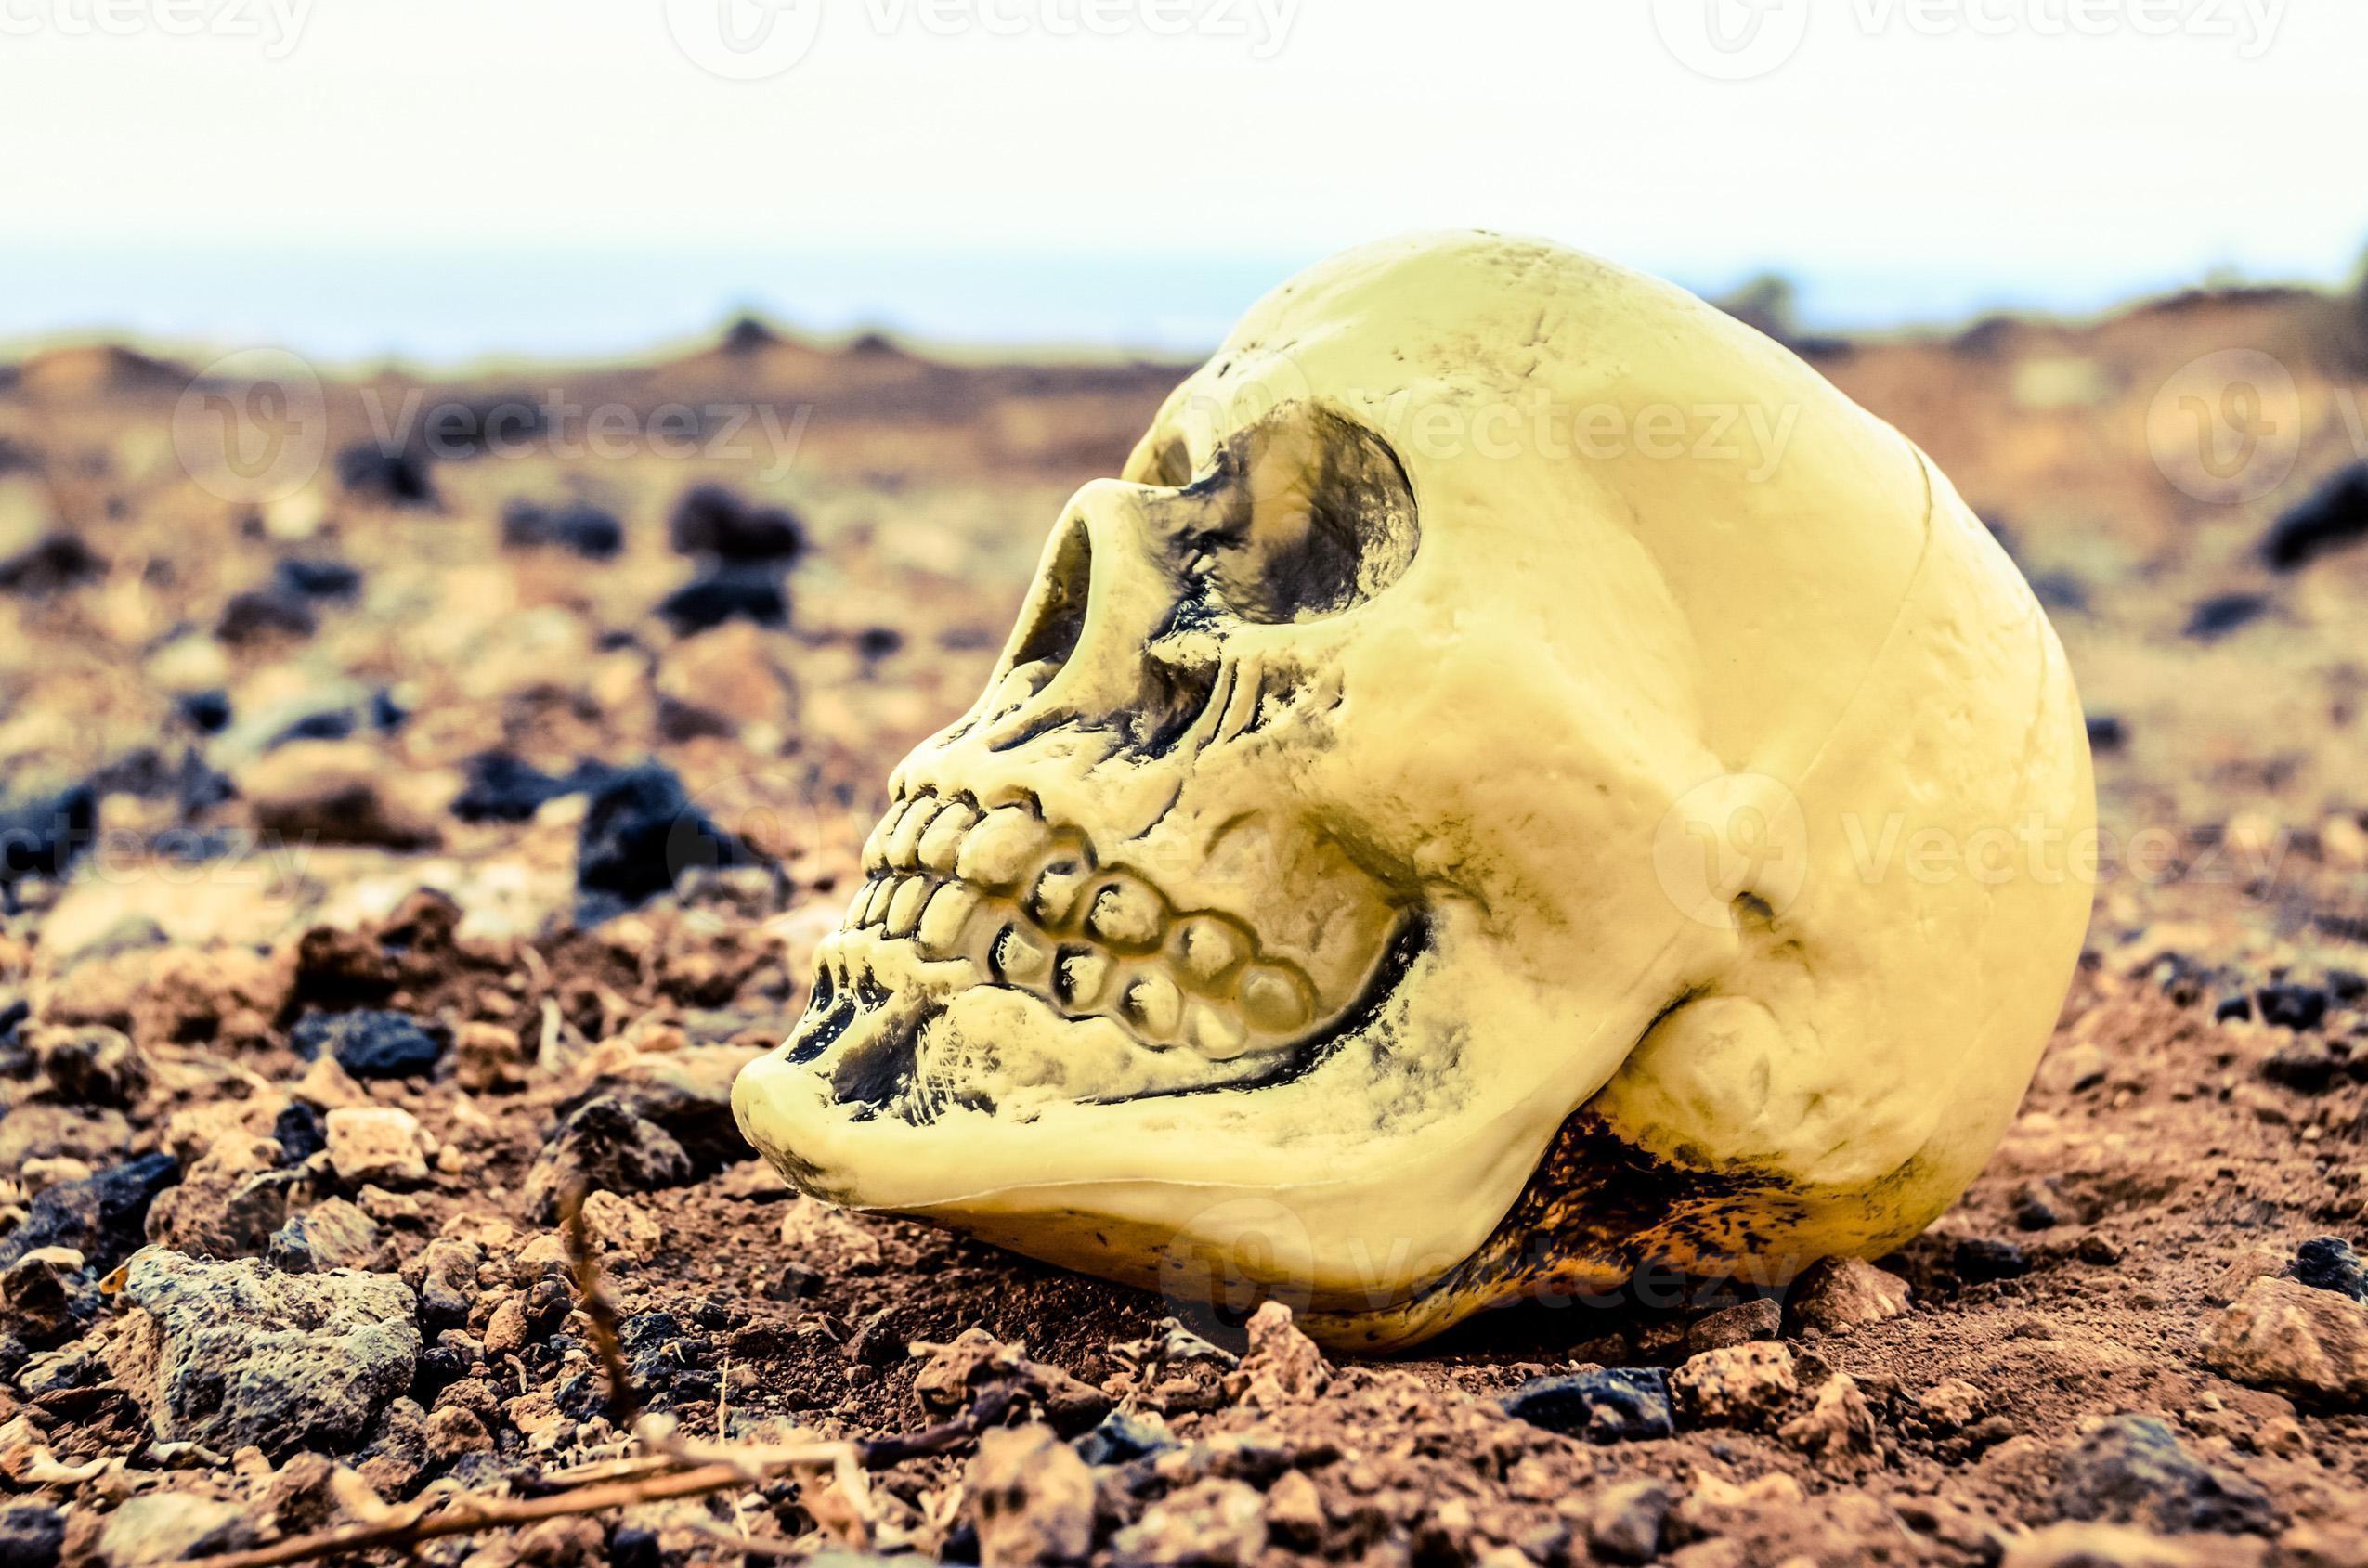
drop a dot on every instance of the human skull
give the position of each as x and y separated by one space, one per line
1435 832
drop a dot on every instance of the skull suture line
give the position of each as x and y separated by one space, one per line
1316 901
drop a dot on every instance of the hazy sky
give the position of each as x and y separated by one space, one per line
2060 147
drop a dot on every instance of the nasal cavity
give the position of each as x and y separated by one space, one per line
1054 618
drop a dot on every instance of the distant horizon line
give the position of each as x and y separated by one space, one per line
449 306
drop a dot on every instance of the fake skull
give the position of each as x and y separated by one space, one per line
1434 833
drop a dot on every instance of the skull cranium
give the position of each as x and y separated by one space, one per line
1424 839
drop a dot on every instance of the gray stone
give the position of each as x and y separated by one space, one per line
169 1527
2327 1262
59 1371
1625 1522
604 1147
2282 1334
2133 1470
1759 1318
1607 1405
1836 1295
1031 1498
332 1235
445 1273
232 1354
31 1535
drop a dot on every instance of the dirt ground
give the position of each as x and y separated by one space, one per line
331 944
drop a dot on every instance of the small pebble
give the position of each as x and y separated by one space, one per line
1122 1438
207 712
641 833
2297 1007
2134 1470
1979 1260
2307 1066
396 478
259 614
578 527
1759 1318
1608 1405
370 1044
711 521
2329 1264
31 1535
317 579
709 600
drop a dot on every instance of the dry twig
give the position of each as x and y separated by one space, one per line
624 1402
701 1469
679 1468
411 1526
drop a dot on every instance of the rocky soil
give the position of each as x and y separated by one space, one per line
391 852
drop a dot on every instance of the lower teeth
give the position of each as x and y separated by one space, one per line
919 894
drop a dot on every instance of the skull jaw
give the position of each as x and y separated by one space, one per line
1586 1215
1354 1186
1432 1224
984 1108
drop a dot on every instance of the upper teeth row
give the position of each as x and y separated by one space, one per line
1004 888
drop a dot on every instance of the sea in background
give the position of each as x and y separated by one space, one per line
447 308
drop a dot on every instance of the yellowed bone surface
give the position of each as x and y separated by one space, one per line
1518 778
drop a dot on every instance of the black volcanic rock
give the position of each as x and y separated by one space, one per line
708 601
712 520
2225 612
578 527
103 1216
1608 1405
2332 517
44 837
641 833
401 477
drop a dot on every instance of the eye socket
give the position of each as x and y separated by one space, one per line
1171 465
1309 515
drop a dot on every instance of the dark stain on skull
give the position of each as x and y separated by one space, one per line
1598 1208
882 1071
832 1010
